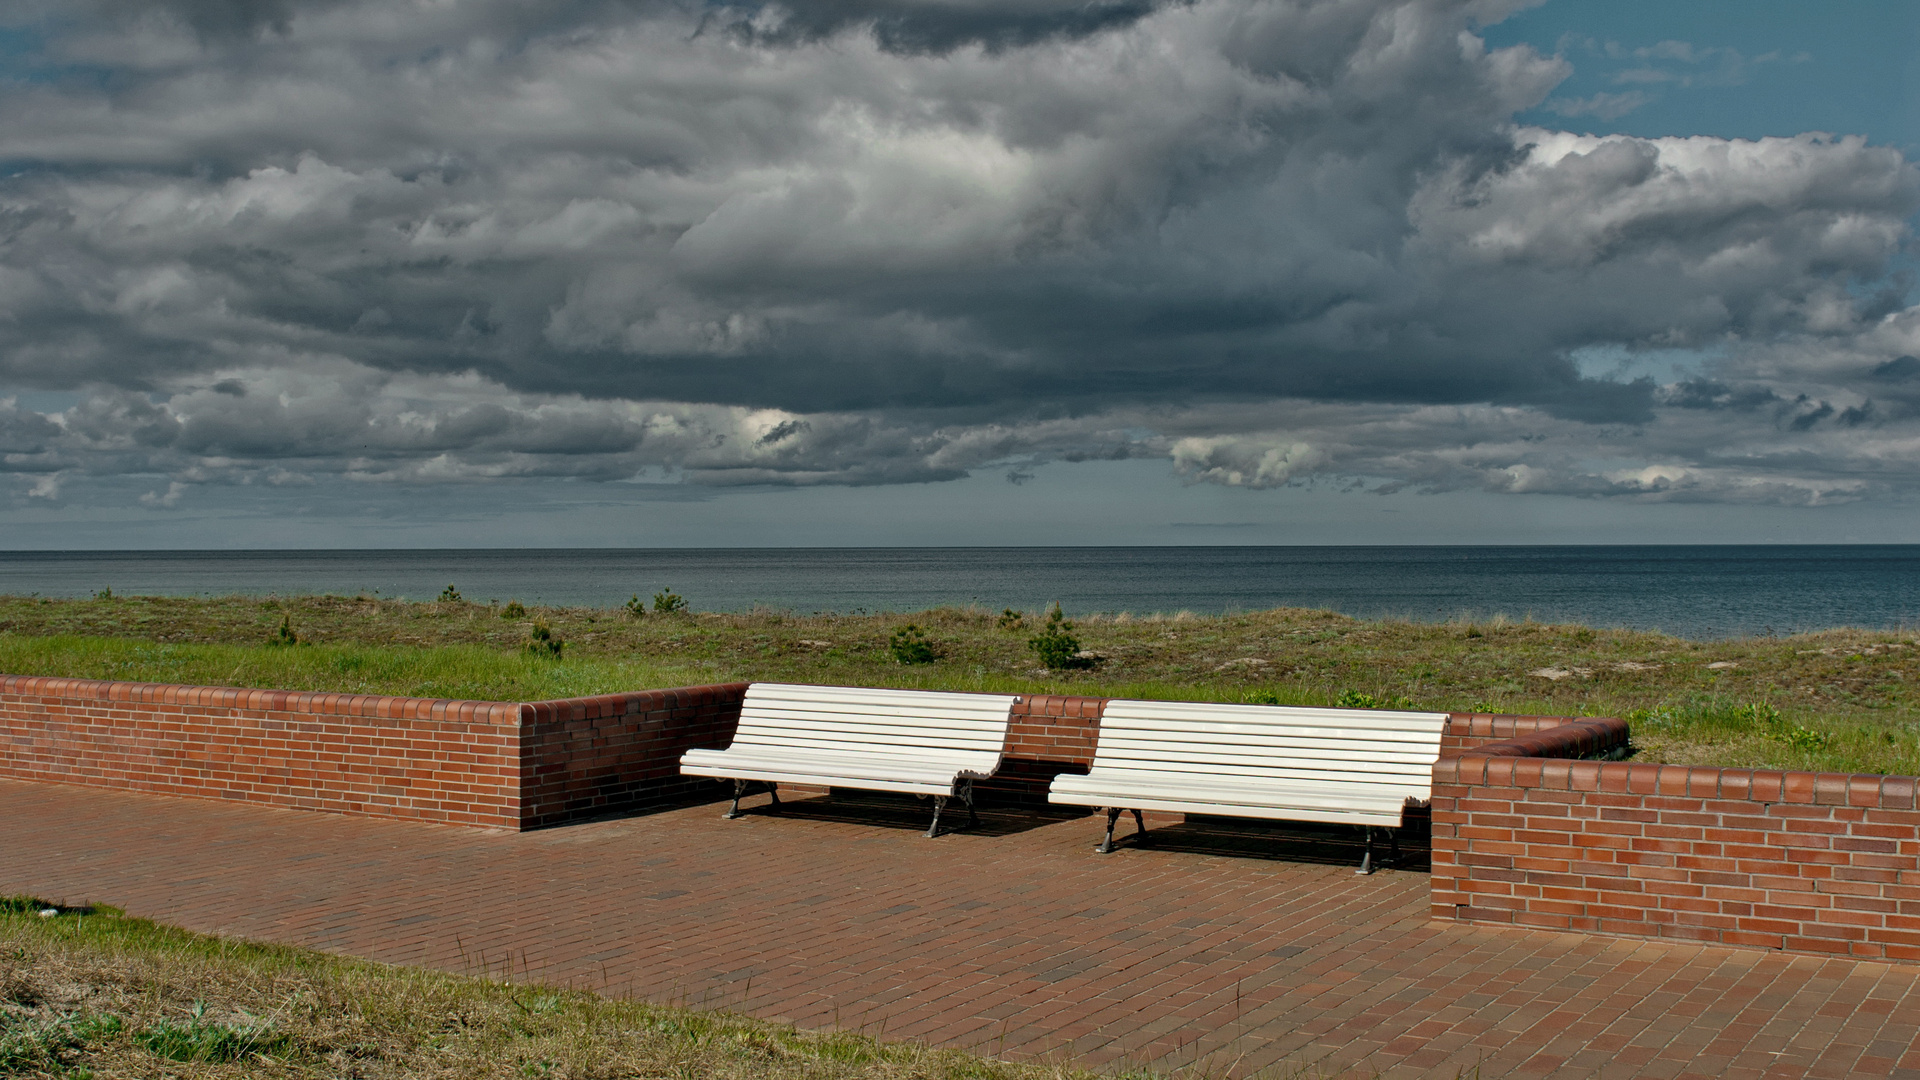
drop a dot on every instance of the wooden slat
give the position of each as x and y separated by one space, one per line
791 710
1272 714
883 700
1275 788
884 734
944 772
1204 771
1264 813
1142 750
810 710
883 740
1292 726
1266 761
1240 789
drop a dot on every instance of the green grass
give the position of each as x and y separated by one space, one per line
470 672
1851 694
95 994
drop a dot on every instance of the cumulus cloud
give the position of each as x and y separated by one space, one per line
1271 242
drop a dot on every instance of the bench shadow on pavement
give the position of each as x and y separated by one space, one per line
904 812
1281 841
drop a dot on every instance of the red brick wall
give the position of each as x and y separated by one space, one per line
1047 734
451 761
589 755
1805 862
499 764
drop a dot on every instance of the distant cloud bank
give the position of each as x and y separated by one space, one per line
881 241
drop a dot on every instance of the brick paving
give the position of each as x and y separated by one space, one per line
1237 950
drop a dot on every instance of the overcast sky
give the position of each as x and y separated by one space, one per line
631 273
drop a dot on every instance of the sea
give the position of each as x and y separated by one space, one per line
1695 591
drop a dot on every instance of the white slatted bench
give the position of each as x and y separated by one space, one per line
918 741
1358 766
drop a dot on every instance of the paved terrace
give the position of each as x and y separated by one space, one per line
1240 949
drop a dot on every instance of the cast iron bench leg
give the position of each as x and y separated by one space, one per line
1393 843
1113 817
740 788
939 804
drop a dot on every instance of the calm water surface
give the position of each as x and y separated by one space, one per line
1695 591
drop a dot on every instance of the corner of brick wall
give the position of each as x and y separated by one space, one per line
1047 734
586 756
1820 863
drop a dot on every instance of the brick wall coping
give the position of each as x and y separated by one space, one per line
562 710
1545 760
366 706
378 706
1573 737
1683 781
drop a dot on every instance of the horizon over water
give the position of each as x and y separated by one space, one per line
1697 591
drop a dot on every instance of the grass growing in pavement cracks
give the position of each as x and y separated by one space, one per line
1842 700
95 995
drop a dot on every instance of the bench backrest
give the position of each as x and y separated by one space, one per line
1376 751
846 718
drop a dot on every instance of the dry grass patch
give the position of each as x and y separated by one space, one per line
98 995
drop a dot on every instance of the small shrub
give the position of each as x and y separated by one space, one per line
910 646
636 607
198 1039
1055 644
284 635
1261 697
541 642
1011 620
1355 699
104 594
668 602
513 610
1803 738
449 595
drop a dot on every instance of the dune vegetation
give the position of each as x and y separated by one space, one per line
1837 700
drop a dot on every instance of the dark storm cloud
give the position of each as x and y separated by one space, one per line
854 241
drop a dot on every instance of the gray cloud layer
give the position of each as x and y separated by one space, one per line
874 241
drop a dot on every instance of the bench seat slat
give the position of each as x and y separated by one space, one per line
861 740
774 712
1281 788
1261 761
854 697
1185 712
917 741
1247 735
913 760
1204 732
1241 753
888 726
844 767
1202 771
1388 818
